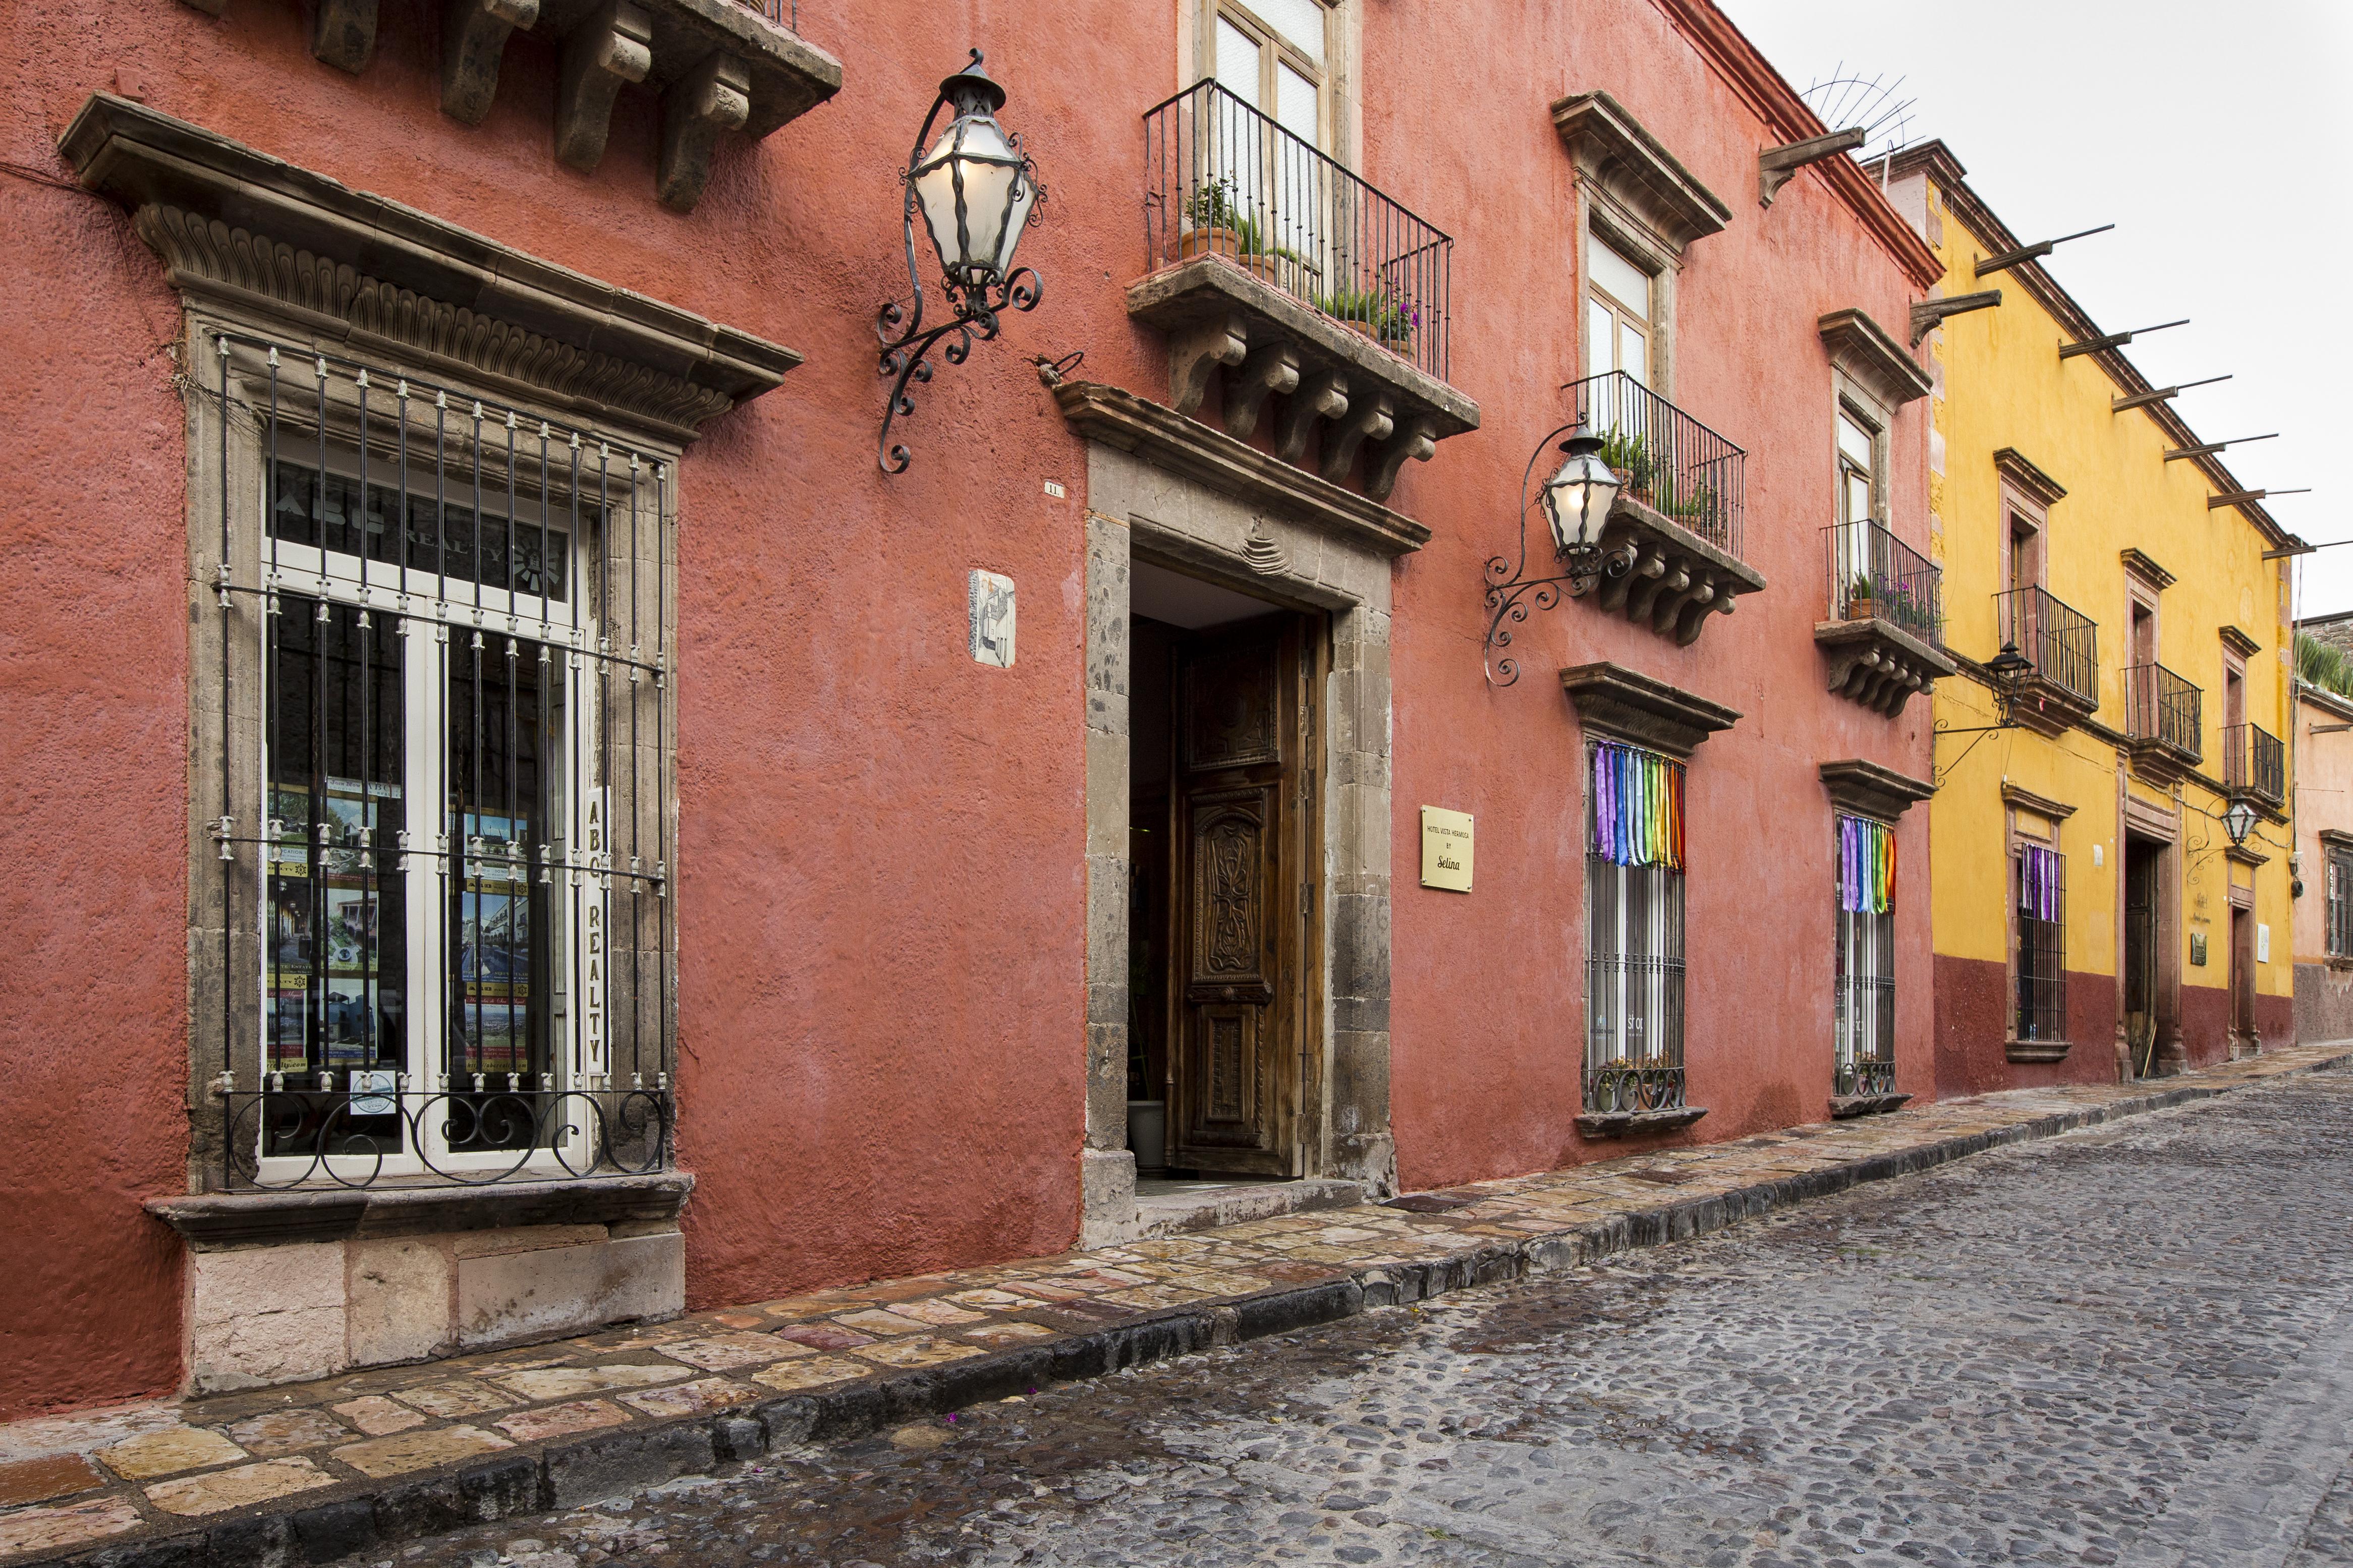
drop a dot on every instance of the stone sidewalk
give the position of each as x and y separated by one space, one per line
311 1472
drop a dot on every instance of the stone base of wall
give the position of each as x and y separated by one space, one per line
1974 1009
286 1312
2324 1003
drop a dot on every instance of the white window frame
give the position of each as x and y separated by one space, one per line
451 612
618 820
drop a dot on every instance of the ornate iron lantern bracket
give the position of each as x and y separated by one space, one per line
1512 593
975 248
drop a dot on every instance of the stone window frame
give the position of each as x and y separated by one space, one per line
1341 124
2021 812
1640 198
222 659
258 247
2336 895
2028 495
1601 218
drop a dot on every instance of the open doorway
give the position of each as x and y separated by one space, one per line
1223 944
2143 858
2242 980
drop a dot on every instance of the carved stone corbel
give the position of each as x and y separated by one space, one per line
1650 563
1195 351
1695 612
1269 368
1417 440
1368 419
343 34
614 46
709 100
1669 619
1322 396
473 38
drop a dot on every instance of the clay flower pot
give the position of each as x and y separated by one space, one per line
1210 240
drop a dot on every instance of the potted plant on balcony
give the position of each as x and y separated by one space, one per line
1216 227
1368 311
1629 456
1860 605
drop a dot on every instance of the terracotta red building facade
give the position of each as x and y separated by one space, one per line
521 822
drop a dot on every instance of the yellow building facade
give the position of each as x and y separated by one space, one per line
2123 681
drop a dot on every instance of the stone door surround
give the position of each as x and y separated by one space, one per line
1177 493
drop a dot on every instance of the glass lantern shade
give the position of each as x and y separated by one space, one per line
2240 819
974 188
1577 499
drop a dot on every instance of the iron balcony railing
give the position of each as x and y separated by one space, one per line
1665 459
2060 642
2162 707
1225 179
2254 762
1875 576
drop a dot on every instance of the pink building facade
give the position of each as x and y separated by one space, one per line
523 822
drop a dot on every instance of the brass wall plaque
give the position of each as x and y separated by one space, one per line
1446 849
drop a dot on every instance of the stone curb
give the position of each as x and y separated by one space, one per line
359 1517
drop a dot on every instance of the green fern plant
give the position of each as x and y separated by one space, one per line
2323 665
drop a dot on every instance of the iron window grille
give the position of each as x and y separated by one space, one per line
1634 975
1226 178
1876 576
2060 642
2040 877
2340 903
1864 1021
444 946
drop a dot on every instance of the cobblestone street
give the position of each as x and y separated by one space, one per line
2128 1345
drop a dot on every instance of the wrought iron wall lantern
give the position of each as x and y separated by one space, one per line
2239 820
2008 670
976 189
1576 498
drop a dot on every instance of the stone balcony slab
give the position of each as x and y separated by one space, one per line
1339 388
721 67
1677 579
1879 663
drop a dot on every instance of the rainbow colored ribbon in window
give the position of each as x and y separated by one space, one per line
2039 881
1638 806
1867 865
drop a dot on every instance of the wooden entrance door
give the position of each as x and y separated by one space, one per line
2141 862
1238 914
2242 982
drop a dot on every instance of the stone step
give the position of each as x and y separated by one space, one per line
1169 1208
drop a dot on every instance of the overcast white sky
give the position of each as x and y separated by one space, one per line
2216 137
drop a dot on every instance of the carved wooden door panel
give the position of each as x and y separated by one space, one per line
1234 1073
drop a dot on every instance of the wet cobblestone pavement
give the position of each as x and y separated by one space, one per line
2129 1345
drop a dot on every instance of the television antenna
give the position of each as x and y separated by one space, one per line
1871 103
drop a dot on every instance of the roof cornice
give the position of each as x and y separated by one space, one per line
1970 211
1773 100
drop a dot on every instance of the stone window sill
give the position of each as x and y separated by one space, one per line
2037 1050
208 1220
1844 1106
1637 1123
